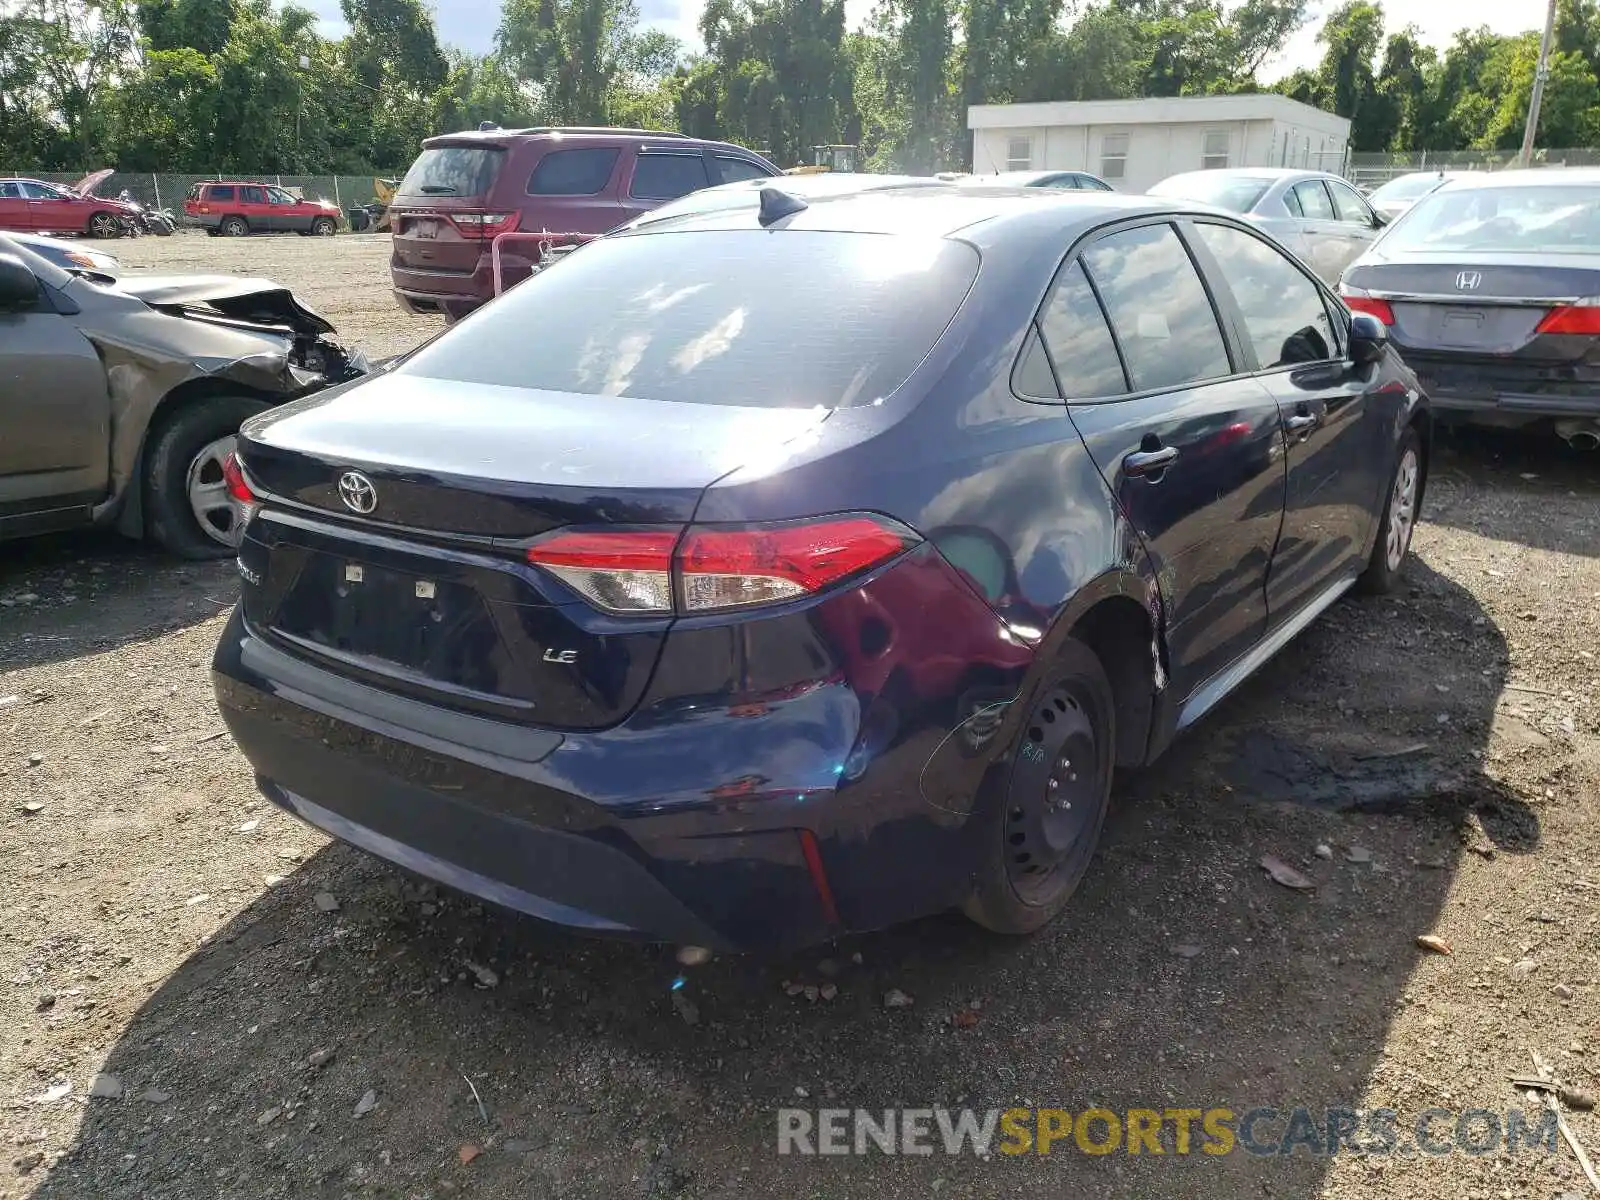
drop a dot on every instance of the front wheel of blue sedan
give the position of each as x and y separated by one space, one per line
1398 519
1038 834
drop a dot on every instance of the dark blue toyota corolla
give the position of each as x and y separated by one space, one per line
762 574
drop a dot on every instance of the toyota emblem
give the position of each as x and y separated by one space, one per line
357 492
1468 281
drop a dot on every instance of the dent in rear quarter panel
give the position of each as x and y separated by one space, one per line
1007 490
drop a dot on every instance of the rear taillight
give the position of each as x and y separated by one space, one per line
233 474
715 568
244 501
1572 318
485 225
1370 305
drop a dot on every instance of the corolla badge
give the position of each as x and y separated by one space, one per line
1468 281
357 492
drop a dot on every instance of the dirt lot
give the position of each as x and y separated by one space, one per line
165 927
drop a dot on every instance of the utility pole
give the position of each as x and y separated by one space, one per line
1526 157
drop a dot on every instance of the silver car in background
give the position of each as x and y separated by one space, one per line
1319 216
1401 192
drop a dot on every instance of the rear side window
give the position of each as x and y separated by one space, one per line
453 171
735 170
667 176
582 172
1069 182
10 191
793 320
1032 376
1283 311
222 193
1079 340
1314 202
253 195
1159 308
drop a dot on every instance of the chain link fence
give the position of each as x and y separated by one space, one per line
1372 170
168 191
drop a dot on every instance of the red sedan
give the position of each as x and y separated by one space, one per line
33 206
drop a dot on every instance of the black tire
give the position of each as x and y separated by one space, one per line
1385 568
324 227
233 227
1039 830
104 225
170 448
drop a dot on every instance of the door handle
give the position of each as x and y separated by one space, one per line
1301 423
1150 462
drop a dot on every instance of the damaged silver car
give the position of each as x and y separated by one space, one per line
119 403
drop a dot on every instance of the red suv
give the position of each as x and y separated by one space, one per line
465 189
33 206
235 209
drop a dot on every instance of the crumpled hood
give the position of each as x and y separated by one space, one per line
259 301
94 179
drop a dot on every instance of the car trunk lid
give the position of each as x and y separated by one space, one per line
1484 304
414 577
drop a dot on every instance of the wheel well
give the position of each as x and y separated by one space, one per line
1422 422
130 517
1118 631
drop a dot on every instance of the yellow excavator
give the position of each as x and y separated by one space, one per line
383 191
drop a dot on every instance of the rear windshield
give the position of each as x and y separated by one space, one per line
788 319
1224 191
1407 187
453 171
1542 220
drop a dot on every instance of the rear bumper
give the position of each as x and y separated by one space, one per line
454 293
1498 395
603 832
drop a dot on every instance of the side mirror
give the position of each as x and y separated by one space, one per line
1378 219
1369 337
18 287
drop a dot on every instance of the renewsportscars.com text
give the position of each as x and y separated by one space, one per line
1261 1131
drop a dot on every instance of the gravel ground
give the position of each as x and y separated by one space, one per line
270 1014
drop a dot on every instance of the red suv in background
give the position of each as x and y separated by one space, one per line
33 206
235 209
465 189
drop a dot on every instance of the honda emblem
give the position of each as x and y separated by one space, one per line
1468 281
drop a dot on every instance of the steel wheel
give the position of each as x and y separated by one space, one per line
1402 510
103 225
208 491
1053 801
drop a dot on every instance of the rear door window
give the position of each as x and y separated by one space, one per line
253 195
796 319
734 170
668 176
453 171
580 172
1313 200
1079 340
1158 307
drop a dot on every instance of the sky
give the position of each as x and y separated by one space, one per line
471 24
